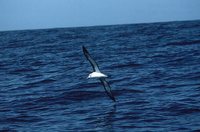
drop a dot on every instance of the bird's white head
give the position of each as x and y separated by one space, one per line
89 76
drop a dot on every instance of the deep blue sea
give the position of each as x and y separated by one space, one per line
153 69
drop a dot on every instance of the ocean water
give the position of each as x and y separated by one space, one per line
153 69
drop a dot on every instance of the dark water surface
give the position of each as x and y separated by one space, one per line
154 72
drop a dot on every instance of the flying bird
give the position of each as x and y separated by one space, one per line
97 74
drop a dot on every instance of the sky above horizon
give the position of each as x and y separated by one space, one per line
40 14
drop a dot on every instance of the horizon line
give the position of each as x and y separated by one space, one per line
137 23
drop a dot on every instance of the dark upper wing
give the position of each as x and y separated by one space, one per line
92 62
107 88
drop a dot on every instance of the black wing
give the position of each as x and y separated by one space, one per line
107 88
92 62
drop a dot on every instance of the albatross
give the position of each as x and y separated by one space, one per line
97 74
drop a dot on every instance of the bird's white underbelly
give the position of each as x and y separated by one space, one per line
97 75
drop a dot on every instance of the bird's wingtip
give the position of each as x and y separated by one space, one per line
83 47
113 98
